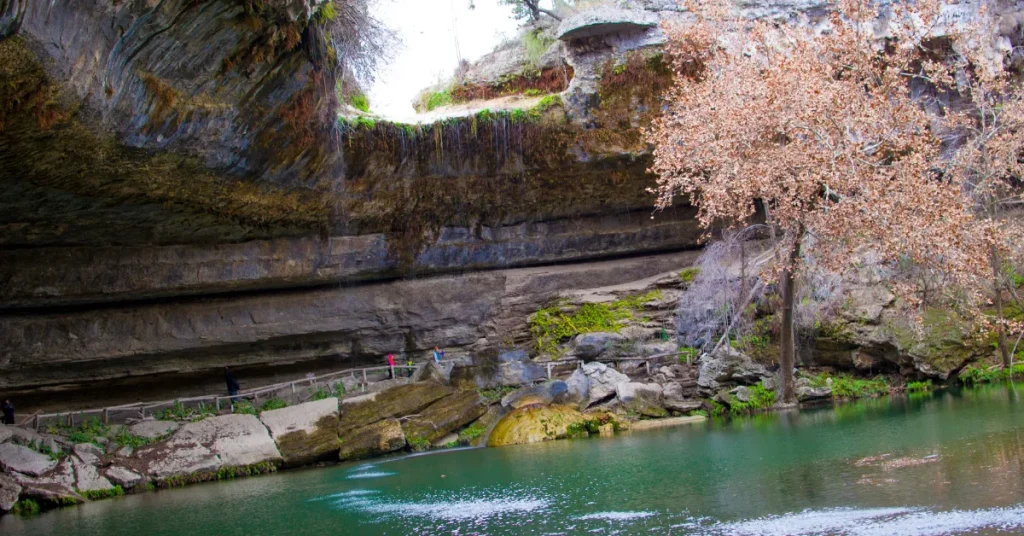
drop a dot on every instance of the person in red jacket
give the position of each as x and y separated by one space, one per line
391 365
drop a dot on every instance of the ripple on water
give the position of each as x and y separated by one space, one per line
370 474
443 509
617 516
345 495
877 522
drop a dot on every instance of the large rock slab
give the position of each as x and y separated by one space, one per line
444 416
375 439
629 391
673 398
55 487
577 389
9 492
88 478
593 345
604 21
205 446
153 429
602 380
533 424
304 433
397 401
125 478
88 453
513 368
24 460
728 365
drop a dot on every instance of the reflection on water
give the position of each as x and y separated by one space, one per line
929 465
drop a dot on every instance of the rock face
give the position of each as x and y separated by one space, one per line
729 365
87 478
208 445
9 492
628 391
395 402
24 460
378 438
592 345
545 393
533 424
444 416
605 21
603 381
304 433
122 477
577 389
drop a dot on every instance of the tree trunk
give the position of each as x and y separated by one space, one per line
997 289
787 358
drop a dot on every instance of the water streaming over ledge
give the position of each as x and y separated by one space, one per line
932 465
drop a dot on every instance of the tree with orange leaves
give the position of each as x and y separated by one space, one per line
827 133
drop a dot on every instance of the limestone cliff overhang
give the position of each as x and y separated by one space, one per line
605 21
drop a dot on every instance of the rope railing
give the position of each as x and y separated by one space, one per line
360 376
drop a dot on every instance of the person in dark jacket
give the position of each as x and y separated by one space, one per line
232 386
8 409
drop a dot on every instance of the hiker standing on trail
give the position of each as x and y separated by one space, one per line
411 366
391 365
438 354
229 378
8 408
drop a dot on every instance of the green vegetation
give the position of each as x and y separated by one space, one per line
243 407
97 494
760 400
471 433
846 386
89 432
493 395
180 412
419 444
688 274
320 394
273 403
25 507
438 99
971 375
688 355
583 428
552 325
44 448
360 102
536 44
698 413
919 387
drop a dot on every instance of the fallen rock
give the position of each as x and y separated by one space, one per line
430 371
87 478
544 393
668 372
742 393
122 477
806 392
125 451
205 446
88 453
10 490
153 429
56 487
304 433
728 365
397 401
592 345
375 439
24 460
533 424
577 389
602 380
629 391
673 399
5 433
444 416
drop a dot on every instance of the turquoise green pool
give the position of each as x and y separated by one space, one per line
947 463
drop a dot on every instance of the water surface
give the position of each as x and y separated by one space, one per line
935 464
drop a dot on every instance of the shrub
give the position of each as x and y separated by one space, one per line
245 408
688 355
971 375
688 274
320 394
551 325
471 433
273 403
919 387
97 494
25 507
419 444
180 412
360 102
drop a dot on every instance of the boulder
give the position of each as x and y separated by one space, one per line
88 453
9 492
728 365
397 401
544 393
304 433
153 429
533 424
602 380
673 399
375 439
87 478
431 371
806 393
577 389
742 393
659 348
24 460
629 391
122 477
205 446
605 20
56 487
5 433
592 345
445 441
444 416
125 451
667 372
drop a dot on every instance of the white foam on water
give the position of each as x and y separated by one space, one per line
459 510
371 474
345 494
875 522
617 516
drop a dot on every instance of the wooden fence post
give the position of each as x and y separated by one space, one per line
106 416
647 365
364 380
549 371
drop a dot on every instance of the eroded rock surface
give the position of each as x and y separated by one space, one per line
728 365
24 460
375 439
444 416
306 432
533 424
395 402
